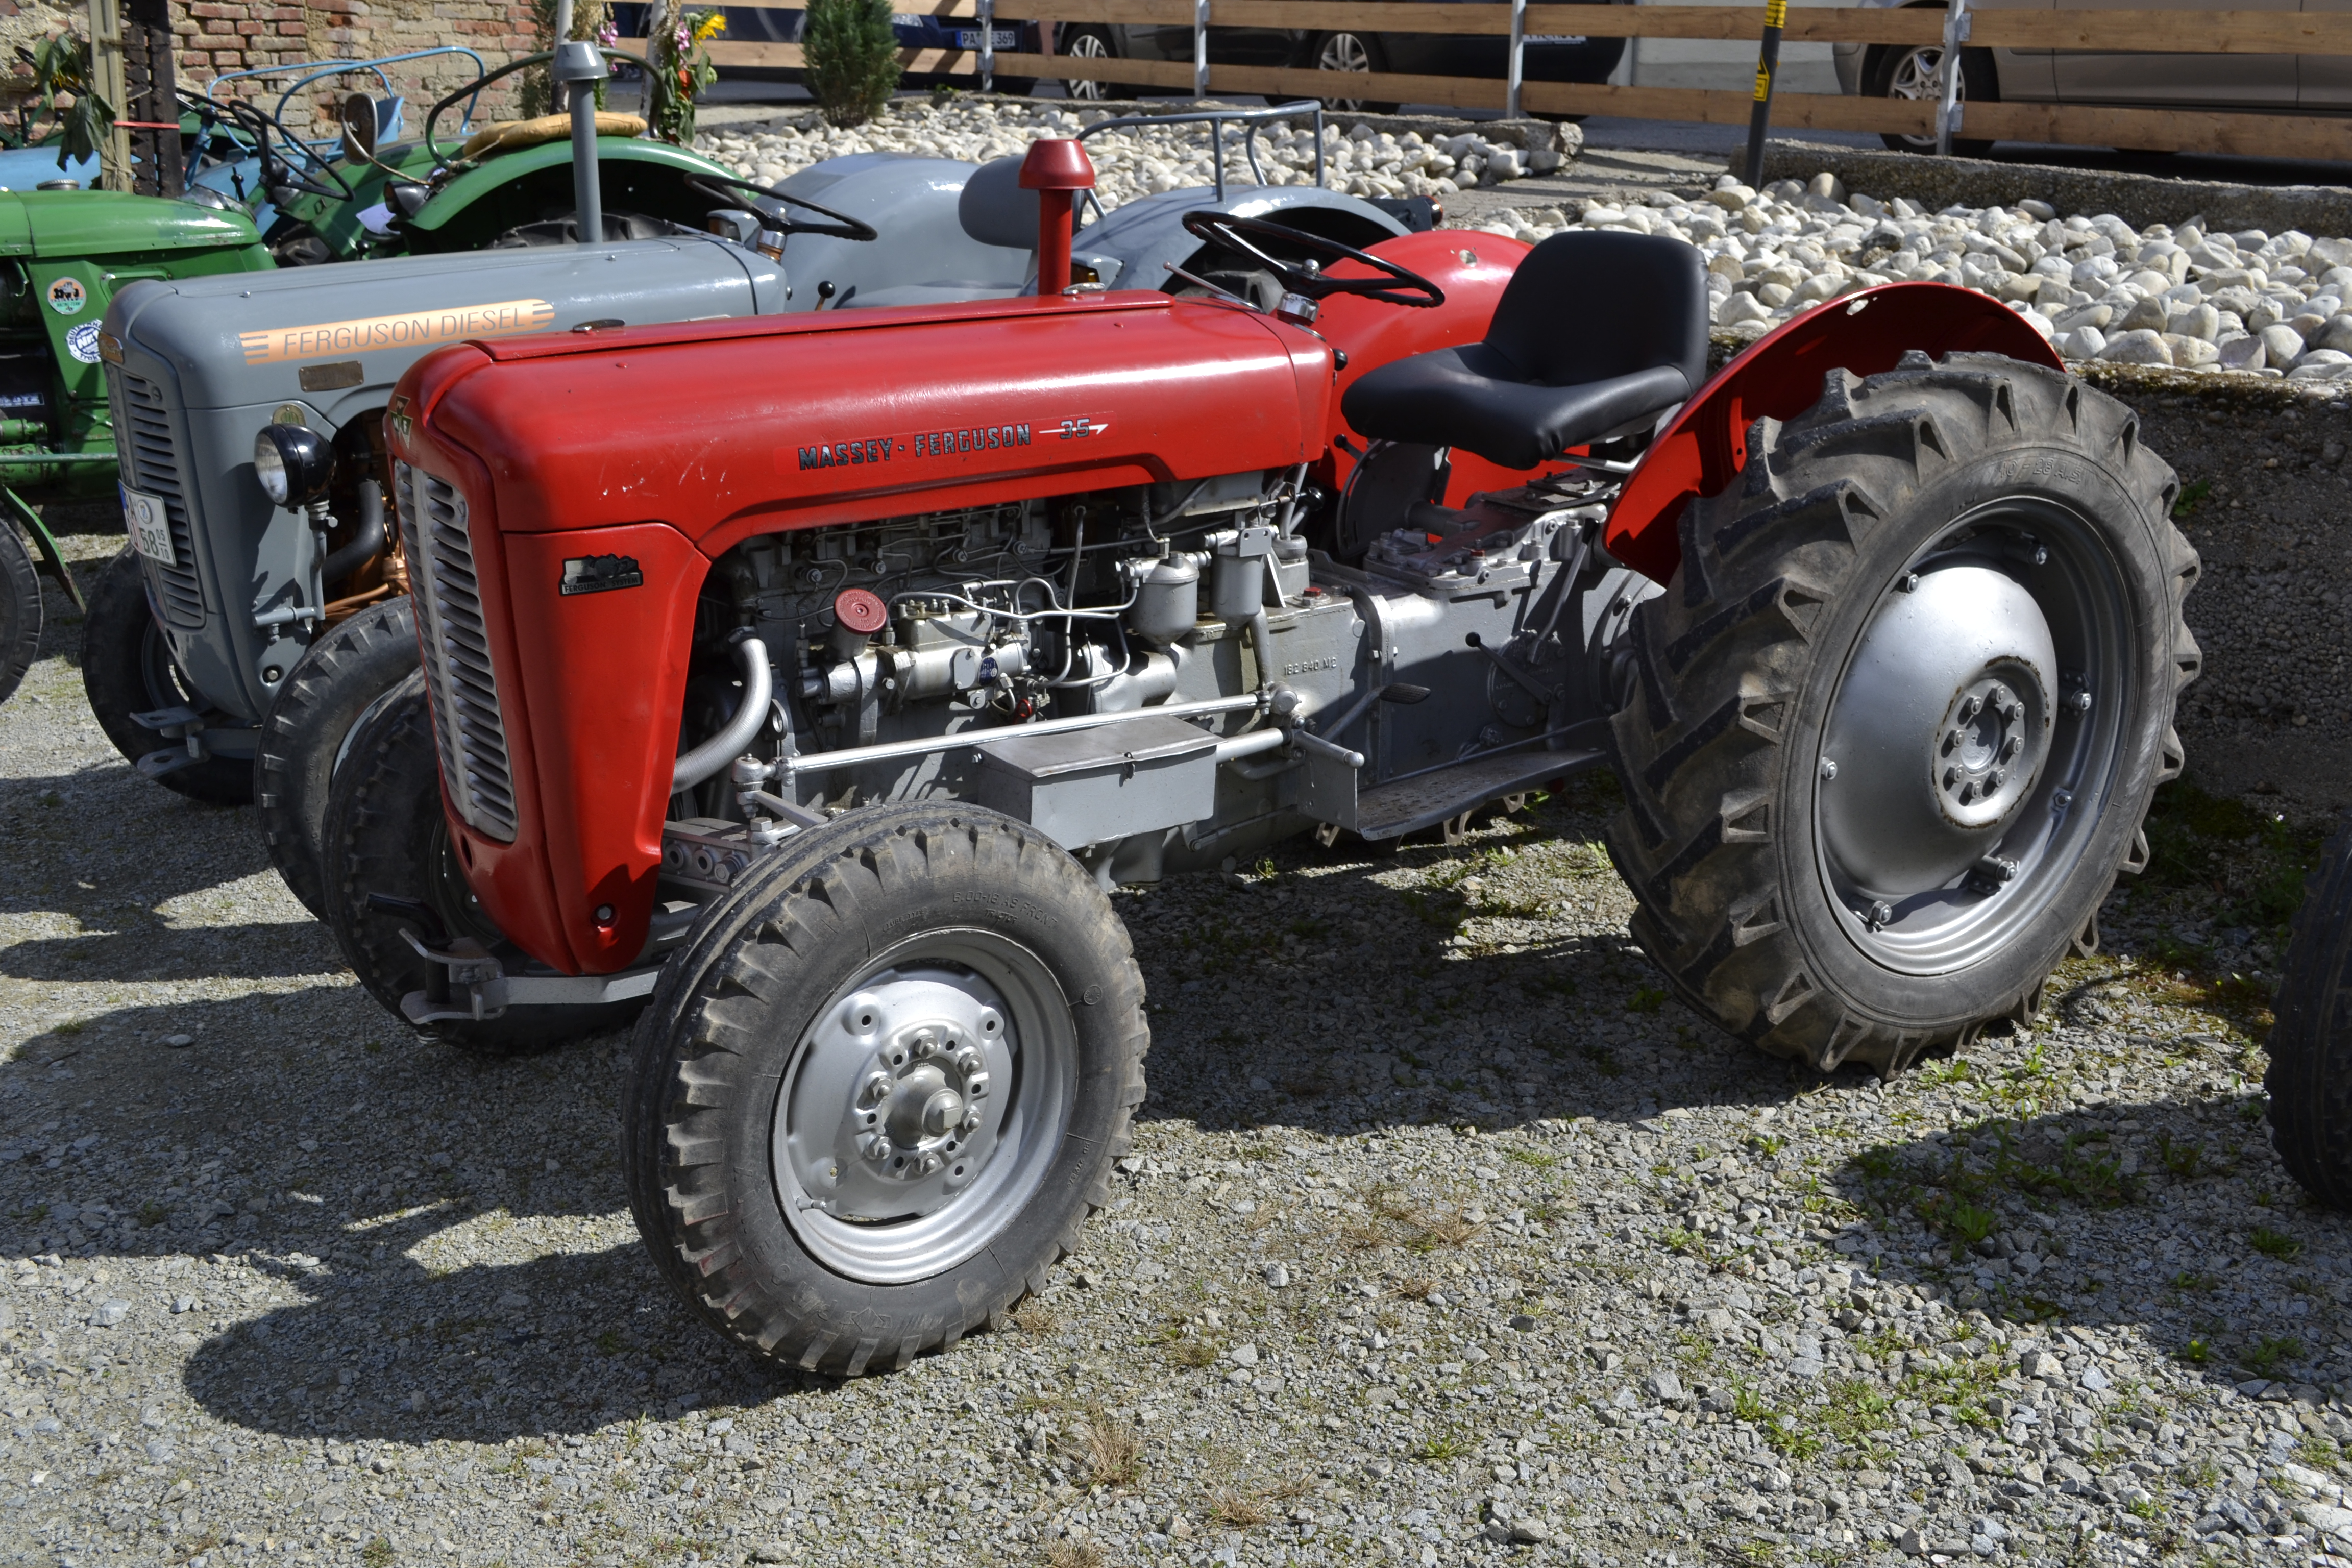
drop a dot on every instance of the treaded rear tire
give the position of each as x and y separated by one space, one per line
127 667
2310 1076
1740 659
386 834
20 609
356 665
713 1050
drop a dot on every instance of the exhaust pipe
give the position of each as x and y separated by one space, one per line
577 68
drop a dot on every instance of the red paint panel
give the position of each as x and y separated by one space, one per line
1779 376
741 428
606 675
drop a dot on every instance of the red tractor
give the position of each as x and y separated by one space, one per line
813 676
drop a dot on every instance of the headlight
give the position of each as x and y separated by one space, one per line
292 463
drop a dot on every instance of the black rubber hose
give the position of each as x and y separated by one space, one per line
369 543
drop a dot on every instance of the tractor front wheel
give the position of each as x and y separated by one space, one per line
2310 1077
339 679
1896 720
386 834
20 609
127 667
878 1094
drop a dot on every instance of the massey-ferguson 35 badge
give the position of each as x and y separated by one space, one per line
961 443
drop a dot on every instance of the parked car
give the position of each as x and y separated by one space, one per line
1342 48
2109 78
916 30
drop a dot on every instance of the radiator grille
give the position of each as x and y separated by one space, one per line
150 458
466 723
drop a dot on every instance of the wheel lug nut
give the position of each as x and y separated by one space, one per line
927 1044
1970 706
1967 792
970 1119
1951 777
875 1087
875 1146
1952 740
969 1060
1880 912
1994 780
2010 747
929 1165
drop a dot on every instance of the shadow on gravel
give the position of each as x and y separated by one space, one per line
570 1343
2114 1216
143 948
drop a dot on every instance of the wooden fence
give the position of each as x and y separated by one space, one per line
2281 135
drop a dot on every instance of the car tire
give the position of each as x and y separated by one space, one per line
1087 44
1346 50
306 736
127 667
1910 73
1803 876
20 609
898 936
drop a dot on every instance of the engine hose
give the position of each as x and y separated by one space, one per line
363 549
706 759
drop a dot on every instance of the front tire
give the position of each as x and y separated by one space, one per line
1896 720
127 667
2310 1076
350 671
20 609
385 833
811 1161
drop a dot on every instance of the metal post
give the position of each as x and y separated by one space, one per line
1768 65
988 46
1518 58
1949 107
1200 48
557 100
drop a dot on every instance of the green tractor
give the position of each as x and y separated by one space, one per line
261 197
63 254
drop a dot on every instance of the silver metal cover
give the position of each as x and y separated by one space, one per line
150 458
466 722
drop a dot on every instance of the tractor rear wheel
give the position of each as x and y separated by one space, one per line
344 675
386 834
127 667
879 1093
1896 720
2310 1077
20 609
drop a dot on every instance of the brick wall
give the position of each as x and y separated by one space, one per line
219 37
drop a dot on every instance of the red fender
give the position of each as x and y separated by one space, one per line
1779 376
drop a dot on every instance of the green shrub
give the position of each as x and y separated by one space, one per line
852 59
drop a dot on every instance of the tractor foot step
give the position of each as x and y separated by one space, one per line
1408 806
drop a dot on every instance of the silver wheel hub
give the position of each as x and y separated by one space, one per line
1938 734
906 1067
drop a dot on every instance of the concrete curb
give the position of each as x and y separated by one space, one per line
2138 199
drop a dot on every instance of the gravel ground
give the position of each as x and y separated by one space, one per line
1448 1238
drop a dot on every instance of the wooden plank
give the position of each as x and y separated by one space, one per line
2179 32
1795 110
2163 129
1144 73
1454 91
1149 13
924 62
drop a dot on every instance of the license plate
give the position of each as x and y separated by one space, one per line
999 38
1554 39
150 526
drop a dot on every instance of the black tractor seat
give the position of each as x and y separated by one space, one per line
1596 335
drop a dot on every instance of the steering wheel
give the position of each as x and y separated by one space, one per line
258 122
1396 286
840 227
473 89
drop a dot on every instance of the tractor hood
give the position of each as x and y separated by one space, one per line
93 224
249 338
511 168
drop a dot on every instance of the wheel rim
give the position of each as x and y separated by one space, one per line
924 1105
1919 75
1344 52
1977 737
1086 47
